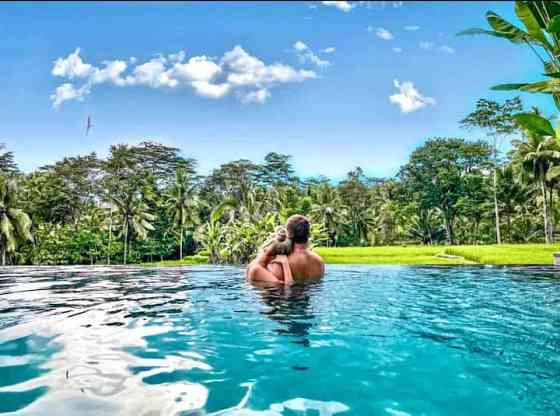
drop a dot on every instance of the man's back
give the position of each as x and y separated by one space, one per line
305 264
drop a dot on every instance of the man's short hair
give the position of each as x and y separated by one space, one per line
298 229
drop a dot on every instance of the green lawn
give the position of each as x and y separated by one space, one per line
489 254
385 255
187 261
437 255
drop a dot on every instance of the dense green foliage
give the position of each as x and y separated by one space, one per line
147 203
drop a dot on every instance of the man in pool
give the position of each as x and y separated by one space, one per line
300 265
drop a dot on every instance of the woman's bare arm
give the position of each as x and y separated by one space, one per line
258 269
287 272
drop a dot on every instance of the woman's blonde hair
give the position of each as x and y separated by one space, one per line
279 243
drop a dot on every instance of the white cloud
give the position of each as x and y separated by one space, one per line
397 50
305 54
380 4
259 96
67 92
448 49
247 70
111 73
384 34
177 57
409 98
411 28
329 50
300 46
240 61
153 73
427 45
249 77
432 46
345 6
198 68
205 89
72 66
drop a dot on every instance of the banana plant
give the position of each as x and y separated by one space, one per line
536 124
541 33
15 224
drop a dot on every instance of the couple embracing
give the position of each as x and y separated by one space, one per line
287 259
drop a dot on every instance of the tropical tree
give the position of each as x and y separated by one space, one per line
327 209
182 205
535 157
136 220
7 164
512 195
497 121
424 226
276 170
15 224
212 233
355 195
437 174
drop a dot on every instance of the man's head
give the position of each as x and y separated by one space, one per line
298 229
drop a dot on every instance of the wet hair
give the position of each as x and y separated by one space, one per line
298 228
279 243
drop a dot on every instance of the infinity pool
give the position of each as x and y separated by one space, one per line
366 340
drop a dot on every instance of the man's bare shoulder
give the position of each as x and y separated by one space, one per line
316 256
306 264
306 255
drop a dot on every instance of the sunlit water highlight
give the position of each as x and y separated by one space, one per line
379 340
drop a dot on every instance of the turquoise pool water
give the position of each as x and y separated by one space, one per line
195 341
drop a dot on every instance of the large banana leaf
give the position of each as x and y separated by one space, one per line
542 9
7 230
535 123
501 25
553 173
548 86
508 87
551 86
478 31
525 14
551 68
554 25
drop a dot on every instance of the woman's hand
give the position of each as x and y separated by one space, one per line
283 261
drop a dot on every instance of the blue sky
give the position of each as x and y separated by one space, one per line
224 81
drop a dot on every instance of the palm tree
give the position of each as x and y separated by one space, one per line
362 221
326 209
511 194
15 225
135 217
212 233
423 226
535 157
182 203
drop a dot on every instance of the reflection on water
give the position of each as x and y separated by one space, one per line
200 340
291 308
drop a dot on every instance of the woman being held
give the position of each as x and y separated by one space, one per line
271 264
